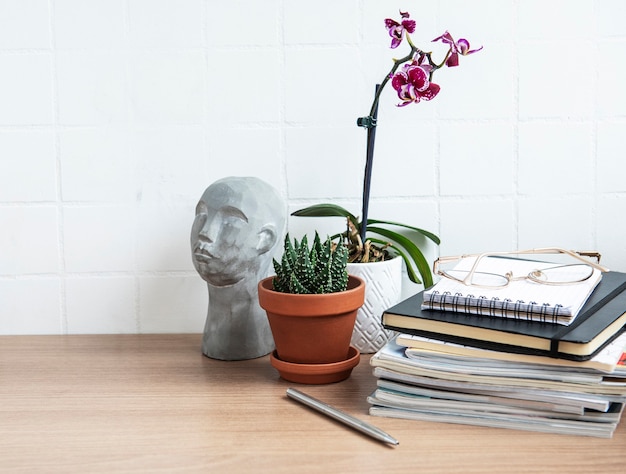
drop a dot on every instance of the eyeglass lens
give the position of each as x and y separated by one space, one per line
563 274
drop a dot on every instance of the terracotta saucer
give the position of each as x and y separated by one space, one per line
316 374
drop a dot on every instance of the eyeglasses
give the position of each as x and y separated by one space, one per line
557 274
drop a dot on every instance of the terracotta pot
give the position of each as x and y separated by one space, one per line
314 374
312 329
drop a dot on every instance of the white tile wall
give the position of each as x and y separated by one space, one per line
611 98
168 87
551 87
96 165
332 155
259 147
311 25
162 234
418 163
115 115
165 23
172 304
611 228
95 24
32 305
244 23
254 76
25 25
316 88
100 304
91 88
479 224
27 166
608 16
29 240
467 82
610 156
98 239
568 221
573 19
463 163
555 158
26 89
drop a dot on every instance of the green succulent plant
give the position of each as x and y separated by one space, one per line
376 249
315 270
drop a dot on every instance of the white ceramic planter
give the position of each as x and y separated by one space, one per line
383 290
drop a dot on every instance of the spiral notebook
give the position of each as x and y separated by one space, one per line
521 299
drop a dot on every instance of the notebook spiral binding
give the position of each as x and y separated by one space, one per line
494 307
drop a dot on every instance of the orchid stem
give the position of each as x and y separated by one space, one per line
369 122
383 83
369 162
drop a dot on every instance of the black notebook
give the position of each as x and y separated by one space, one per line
601 319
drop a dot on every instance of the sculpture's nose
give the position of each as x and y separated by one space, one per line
209 229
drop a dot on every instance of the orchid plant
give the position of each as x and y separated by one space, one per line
412 78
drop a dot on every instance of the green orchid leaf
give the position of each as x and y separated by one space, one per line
402 245
324 210
327 210
425 233
397 250
415 253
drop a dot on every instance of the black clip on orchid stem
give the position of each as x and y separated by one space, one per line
366 122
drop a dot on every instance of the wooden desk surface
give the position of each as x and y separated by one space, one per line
147 403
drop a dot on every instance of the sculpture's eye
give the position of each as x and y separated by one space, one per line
229 211
201 208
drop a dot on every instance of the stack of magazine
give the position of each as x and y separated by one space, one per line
508 369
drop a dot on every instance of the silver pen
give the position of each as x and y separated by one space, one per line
341 416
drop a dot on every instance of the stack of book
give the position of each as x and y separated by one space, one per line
508 368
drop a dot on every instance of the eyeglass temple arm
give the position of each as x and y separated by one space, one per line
590 254
577 254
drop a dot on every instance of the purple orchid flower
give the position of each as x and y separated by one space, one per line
412 84
461 47
396 30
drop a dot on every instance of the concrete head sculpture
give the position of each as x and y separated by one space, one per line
239 221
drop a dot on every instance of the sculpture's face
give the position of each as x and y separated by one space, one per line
225 235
